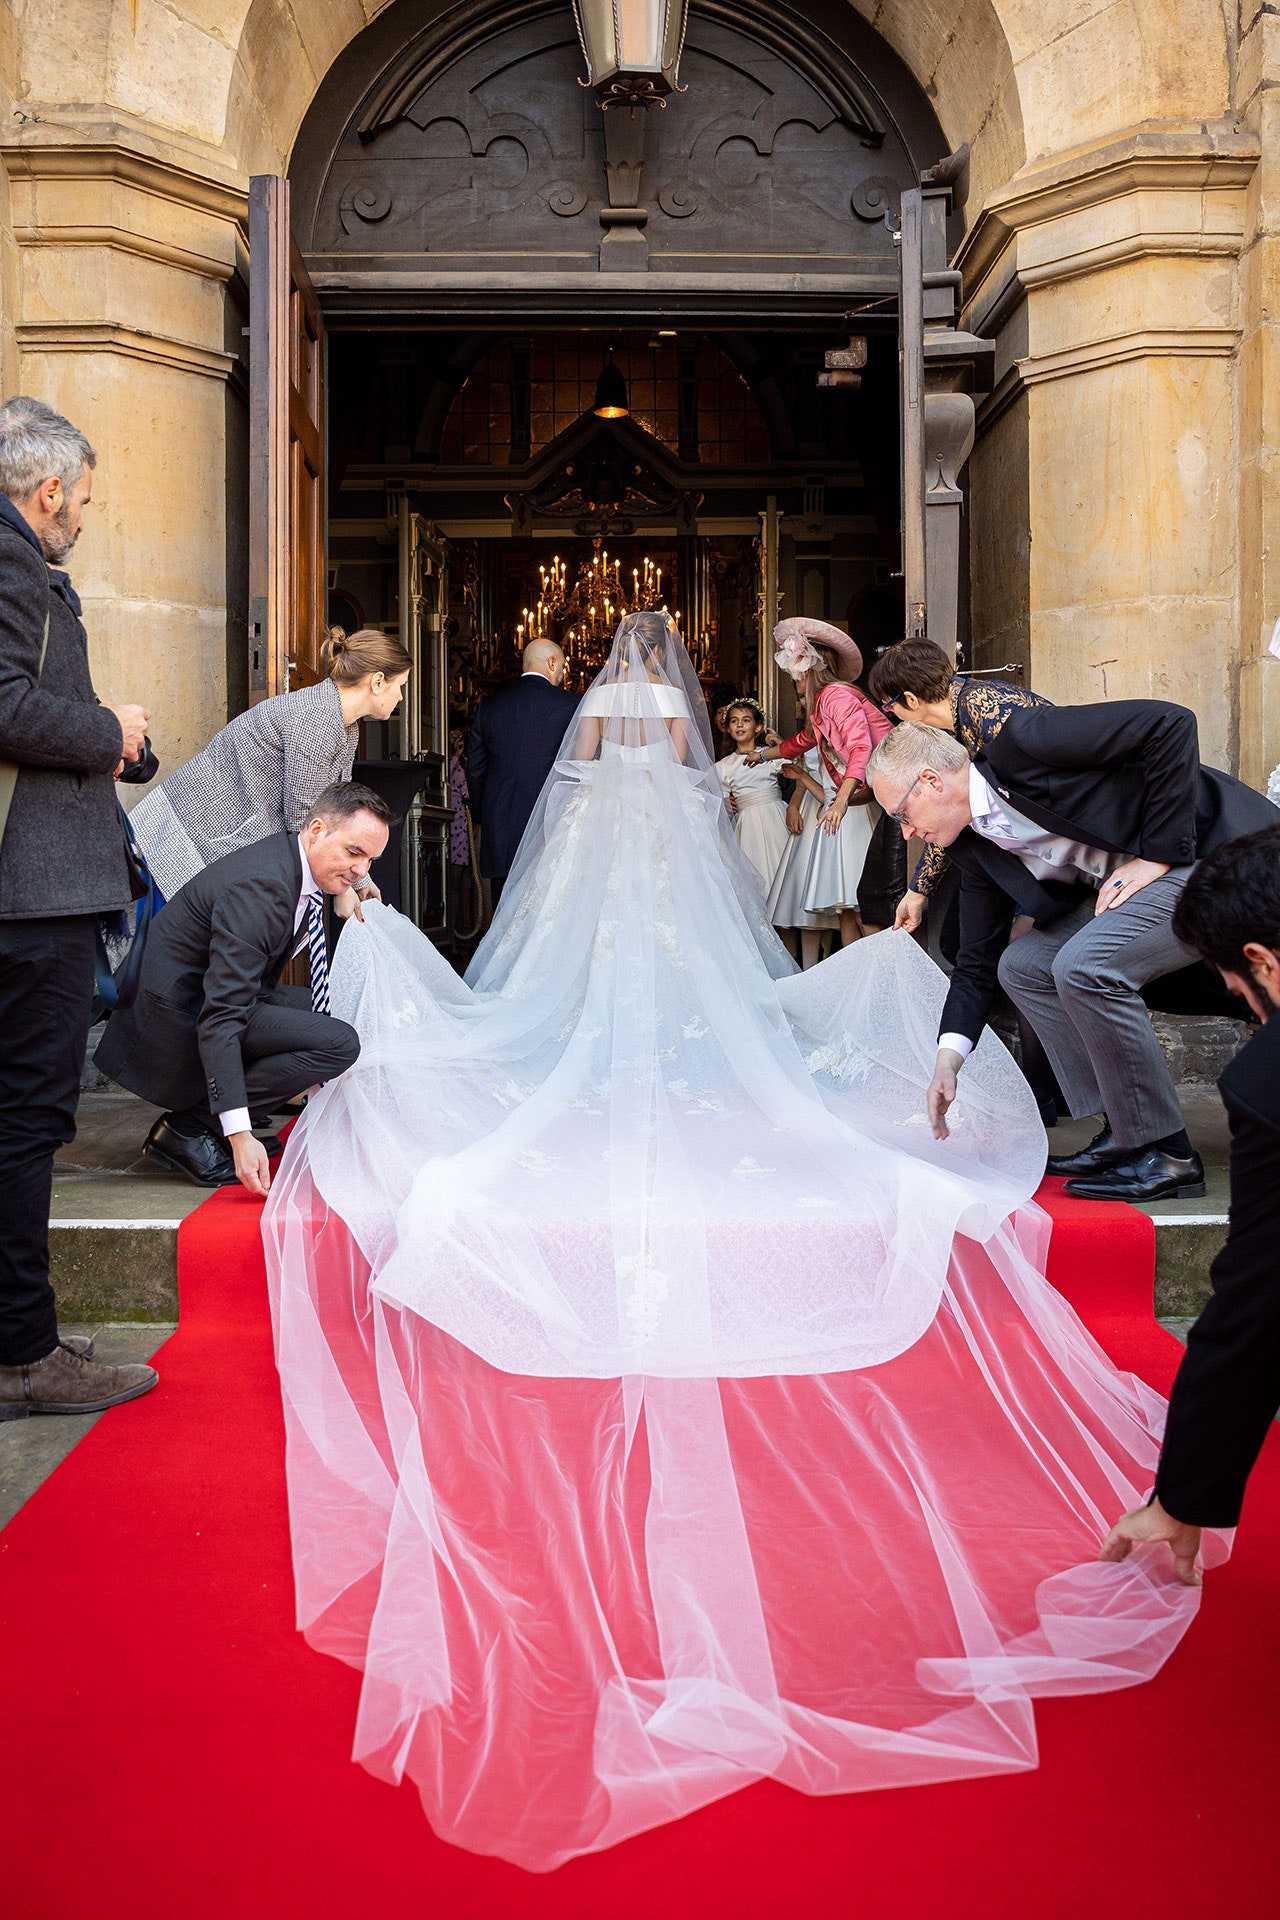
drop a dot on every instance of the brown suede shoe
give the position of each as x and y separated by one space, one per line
66 1381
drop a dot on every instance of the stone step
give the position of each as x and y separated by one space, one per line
113 1239
127 1270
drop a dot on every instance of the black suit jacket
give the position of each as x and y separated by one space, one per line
1228 1386
218 948
514 742
1124 776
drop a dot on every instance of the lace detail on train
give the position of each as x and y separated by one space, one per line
666 1407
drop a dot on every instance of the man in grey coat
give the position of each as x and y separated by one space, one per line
62 868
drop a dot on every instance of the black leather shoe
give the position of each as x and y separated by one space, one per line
1150 1175
199 1157
1101 1152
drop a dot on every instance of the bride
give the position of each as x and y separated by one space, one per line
666 1408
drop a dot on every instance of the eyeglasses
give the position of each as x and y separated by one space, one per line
888 706
898 813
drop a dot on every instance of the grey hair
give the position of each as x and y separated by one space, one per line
909 749
37 444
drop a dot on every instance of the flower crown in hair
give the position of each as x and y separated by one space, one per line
796 656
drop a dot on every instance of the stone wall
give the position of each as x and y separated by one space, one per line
1122 247
1111 280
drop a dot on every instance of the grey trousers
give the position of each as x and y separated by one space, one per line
1077 983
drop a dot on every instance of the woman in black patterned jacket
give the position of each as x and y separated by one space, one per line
916 681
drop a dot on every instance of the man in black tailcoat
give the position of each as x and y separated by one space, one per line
1089 820
1228 1386
515 738
212 1035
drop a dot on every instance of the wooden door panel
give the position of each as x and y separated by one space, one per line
287 506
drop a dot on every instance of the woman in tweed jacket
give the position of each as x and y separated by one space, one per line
260 775
916 681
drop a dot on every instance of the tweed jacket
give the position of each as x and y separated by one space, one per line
63 850
257 777
980 709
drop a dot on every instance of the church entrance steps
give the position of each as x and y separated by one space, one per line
115 1217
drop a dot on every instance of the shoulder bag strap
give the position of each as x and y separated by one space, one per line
9 768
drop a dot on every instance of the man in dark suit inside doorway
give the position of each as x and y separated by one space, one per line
212 1035
515 738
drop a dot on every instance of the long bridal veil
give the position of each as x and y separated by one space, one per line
665 1408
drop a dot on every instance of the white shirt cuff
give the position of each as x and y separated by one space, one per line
236 1120
958 1043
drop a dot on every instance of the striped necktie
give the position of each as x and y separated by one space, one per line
318 957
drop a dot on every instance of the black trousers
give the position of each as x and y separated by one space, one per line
287 1048
46 987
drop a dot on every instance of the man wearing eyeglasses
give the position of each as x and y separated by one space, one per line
1088 820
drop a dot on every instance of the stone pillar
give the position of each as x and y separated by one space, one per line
1109 282
1258 99
121 319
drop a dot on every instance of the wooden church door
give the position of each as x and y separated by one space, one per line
287 508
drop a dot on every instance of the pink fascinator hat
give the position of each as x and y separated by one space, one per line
797 637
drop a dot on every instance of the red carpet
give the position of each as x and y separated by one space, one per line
173 1751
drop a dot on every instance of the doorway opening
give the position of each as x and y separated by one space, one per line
480 497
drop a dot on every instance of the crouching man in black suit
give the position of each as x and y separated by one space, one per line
1089 820
1228 1386
212 1035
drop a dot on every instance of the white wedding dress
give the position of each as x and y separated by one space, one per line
666 1408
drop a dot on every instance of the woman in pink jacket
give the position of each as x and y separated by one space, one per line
843 723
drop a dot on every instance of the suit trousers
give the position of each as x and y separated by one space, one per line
46 989
1078 982
287 1048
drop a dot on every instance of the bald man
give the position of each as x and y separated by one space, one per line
514 742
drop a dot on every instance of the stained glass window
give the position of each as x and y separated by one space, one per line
564 368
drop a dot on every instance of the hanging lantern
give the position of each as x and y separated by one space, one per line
610 402
632 49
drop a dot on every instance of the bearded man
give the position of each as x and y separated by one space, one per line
62 869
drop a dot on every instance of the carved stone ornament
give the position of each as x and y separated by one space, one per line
678 200
875 196
566 198
481 147
370 202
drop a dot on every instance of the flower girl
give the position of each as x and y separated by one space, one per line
752 793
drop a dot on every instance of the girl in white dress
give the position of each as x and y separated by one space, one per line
786 896
753 794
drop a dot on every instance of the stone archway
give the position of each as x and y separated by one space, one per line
1115 247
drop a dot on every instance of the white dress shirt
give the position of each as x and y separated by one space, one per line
1049 856
237 1119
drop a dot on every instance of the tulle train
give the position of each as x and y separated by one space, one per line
583 1607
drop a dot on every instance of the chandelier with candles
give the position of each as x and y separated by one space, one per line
584 618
